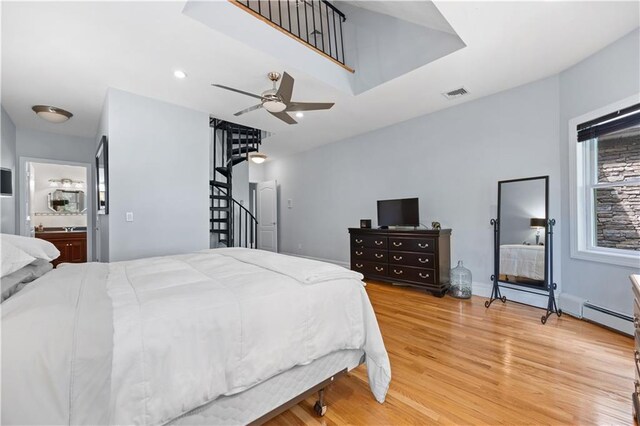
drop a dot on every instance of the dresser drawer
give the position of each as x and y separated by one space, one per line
416 275
426 245
419 260
358 254
370 241
369 268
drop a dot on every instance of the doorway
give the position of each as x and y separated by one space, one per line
55 205
267 215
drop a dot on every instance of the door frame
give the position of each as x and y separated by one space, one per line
22 192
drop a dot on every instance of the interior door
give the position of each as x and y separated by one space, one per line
267 203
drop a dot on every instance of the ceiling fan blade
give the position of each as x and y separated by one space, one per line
286 88
308 106
244 111
284 117
237 91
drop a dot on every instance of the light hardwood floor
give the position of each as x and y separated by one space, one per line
455 362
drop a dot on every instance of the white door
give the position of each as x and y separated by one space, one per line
267 203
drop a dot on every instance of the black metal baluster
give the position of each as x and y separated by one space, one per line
289 15
269 3
335 35
341 39
245 228
259 11
328 30
280 14
321 29
298 17
306 20
313 15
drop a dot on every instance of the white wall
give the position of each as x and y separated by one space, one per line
606 77
158 169
451 159
8 160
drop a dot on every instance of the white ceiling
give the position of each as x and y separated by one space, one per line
67 53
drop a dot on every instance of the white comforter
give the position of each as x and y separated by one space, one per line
522 261
185 330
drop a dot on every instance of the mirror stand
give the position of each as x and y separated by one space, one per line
495 289
552 307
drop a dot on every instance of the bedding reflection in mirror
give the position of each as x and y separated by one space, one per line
522 218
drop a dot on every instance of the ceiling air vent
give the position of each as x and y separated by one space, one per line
456 93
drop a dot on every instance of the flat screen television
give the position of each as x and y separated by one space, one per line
401 212
6 182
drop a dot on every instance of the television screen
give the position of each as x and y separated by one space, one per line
6 184
403 212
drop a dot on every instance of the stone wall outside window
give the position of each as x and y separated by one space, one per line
618 208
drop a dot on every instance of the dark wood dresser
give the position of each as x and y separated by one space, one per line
635 285
418 258
72 245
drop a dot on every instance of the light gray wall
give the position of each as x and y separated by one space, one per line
451 159
8 160
519 202
606 77
158 169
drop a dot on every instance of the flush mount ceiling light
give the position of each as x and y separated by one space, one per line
299 114
180 74
258 158
51 114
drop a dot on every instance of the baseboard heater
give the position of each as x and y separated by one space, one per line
608 318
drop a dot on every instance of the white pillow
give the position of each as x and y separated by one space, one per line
13 258
35 247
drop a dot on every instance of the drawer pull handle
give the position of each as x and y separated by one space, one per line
423 260
358 241
636 355
396 244
397 257
379 256
423 275
379 269
395 271
358 253
378 243
425 245
636 386
636 321
358 265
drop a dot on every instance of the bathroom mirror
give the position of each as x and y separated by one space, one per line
67 201
523 212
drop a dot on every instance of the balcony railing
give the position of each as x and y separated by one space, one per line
315 22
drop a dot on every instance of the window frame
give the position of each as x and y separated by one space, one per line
582 181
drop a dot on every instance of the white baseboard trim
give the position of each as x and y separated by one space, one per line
335 262
571 304
610 319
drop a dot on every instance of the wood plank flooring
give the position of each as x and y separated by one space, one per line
455 362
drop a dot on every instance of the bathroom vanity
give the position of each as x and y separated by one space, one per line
72 244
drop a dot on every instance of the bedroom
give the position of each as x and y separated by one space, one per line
141 74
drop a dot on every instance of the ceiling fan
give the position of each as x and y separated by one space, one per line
277 101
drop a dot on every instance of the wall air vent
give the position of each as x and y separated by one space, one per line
456 93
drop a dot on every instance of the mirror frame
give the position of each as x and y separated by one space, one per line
546 232
102 151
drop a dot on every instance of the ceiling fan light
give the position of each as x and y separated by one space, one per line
274 106
51 114
258 158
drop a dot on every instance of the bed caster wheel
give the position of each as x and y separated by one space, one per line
320 409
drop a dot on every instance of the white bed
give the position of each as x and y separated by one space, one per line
176 338
519 260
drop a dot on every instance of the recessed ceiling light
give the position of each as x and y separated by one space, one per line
180 74
51 114
299 114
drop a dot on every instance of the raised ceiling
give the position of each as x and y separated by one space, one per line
68 53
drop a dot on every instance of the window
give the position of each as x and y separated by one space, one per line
606 185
